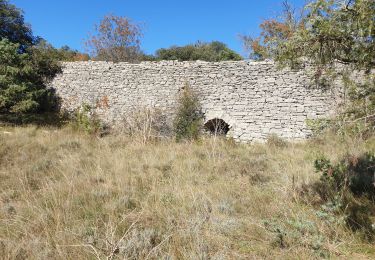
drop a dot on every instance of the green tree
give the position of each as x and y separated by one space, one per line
335 31
18 91
214 51
337 38
23 78
26 65
327 33
13 27
64 53
274 31
338 32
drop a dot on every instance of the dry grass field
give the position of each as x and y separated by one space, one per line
68 195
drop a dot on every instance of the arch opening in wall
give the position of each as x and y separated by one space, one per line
217 126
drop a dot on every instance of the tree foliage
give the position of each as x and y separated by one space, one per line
64 53
22 79
333 31
338 32
214 51
274 31
13 26
25 65
328 33
336 38
115 39
324 32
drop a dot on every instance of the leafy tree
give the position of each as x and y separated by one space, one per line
116 39
13 27
25 67
338 32
328 33
337 38
22 79
65 53
147 57
214 51
335 31
273 32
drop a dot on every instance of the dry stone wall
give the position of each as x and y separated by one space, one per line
256 99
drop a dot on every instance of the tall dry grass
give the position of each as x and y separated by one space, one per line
66 195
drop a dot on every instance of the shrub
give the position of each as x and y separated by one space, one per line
318 126
350 184
87 121
188 120
355 174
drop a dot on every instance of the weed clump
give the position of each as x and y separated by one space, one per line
146 124
274 140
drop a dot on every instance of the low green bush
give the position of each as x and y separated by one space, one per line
87 121
355 174
350 184
188 120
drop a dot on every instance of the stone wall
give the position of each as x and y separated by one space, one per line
254 98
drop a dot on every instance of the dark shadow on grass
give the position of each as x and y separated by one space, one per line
54 119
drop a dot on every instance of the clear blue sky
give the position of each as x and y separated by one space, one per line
167 22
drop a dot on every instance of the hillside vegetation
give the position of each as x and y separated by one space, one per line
69 195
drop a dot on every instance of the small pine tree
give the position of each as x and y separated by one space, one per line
188 120
23 79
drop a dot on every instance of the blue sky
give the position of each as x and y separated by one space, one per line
167 22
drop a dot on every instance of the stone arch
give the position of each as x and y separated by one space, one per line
217 126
